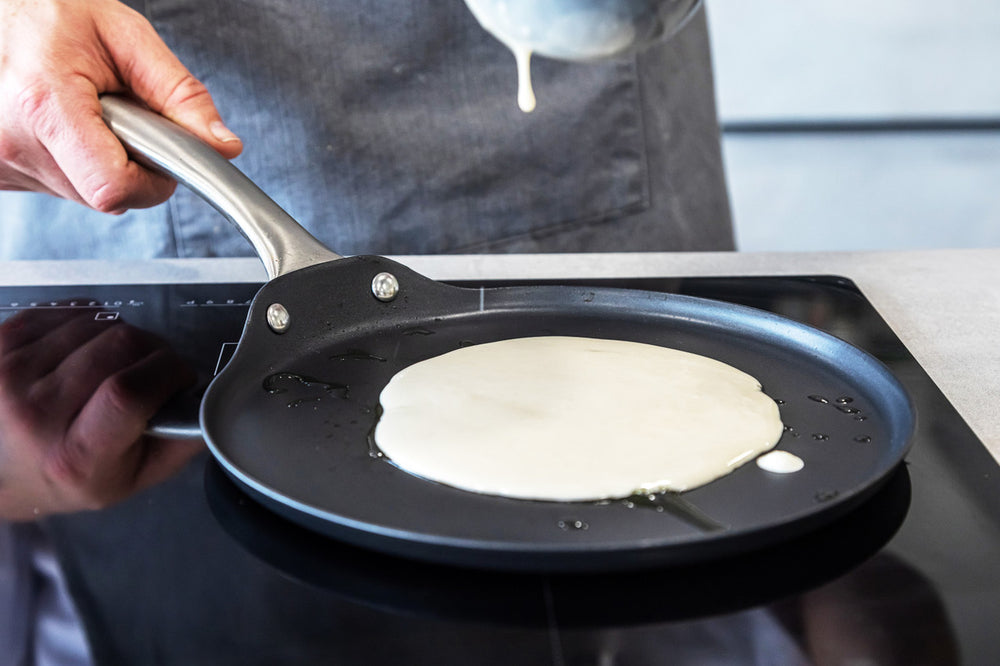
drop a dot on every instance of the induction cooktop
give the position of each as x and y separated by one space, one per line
909 576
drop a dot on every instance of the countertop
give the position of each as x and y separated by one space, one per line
943 304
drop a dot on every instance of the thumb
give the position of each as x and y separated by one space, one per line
154 74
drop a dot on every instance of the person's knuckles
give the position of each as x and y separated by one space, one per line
93 466
13 333
191 106
106 192
28 414
69 467
48 113
25 165
184 96
126 400
143 387
109 183
26 111
14 158
40 107
109 352
128 342
17 376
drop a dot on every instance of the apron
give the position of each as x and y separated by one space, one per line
391 127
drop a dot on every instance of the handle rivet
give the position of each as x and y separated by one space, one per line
385 286
278 318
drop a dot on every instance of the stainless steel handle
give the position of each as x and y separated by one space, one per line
280 242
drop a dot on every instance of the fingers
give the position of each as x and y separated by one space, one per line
105 456
58 57
45 338
28 326
81 373
89 157
154 74
26 165
32 345
75 397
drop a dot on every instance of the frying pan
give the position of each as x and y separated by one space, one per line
291 415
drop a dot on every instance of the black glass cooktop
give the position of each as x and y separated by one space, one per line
193 571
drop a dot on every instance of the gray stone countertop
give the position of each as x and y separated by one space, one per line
943 304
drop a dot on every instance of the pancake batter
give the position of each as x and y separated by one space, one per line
569 419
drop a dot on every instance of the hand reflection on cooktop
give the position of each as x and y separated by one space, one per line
76 392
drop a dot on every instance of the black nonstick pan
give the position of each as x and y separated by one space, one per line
290 417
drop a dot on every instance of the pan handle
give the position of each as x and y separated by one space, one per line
156 142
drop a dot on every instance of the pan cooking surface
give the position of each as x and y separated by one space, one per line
290 419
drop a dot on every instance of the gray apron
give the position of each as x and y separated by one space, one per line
391 127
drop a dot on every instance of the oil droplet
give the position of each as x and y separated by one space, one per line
418 331
820 399
573 525
780 462
820 437
779 402
675 505
848 410
791 431
356 355
303 401
863 439
373 450
280 382
861 418
825 495
844 400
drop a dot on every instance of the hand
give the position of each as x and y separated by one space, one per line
75 397
56 57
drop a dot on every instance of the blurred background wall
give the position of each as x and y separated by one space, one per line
859 125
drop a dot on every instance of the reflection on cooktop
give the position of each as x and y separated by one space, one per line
195 571
713 587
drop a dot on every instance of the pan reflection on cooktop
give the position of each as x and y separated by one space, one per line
918 559
683 592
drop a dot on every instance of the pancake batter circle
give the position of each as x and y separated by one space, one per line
572 419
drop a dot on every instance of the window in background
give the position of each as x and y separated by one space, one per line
853 126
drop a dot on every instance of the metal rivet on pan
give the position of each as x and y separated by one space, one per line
278 318
385 286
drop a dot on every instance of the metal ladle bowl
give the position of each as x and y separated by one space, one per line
582 29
